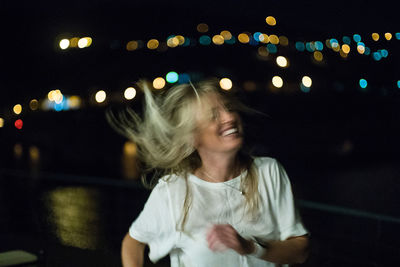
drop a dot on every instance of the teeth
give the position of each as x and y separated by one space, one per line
230 131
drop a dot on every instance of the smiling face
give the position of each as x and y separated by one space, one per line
219 129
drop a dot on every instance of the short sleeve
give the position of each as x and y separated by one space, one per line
288 217
154 225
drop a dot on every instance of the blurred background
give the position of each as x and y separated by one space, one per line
326 73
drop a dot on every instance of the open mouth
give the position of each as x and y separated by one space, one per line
229 132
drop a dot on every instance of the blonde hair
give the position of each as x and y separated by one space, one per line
165 136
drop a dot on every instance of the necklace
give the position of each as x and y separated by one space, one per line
215 180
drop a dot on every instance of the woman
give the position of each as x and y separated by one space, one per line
214 205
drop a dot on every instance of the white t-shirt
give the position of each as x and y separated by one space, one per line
216 203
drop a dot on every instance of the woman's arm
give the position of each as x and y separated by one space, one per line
290 251
132 252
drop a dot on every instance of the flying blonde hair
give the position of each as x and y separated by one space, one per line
165 136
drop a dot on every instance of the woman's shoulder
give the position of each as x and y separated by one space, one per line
169 182
265 162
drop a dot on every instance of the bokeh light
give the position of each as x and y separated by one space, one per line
181 39
130 93
218 39
205 40
300 46
277 81
152 44
334 44
34 104
283 40
384 53
376 56
17 109
100 96
310 46
318 56
271 21
58 96
34 153
346 40
306 81
346 48
73 42
272 48
304 89
202 27
1 122
84 42
361 48
343 54
388 36
244 38
319 45
282 61
264 38
132 45
183 78
357 38
375 36
274 39
130 148
226 34
250 86
18 150
398 84
172 77
263 51
159 83
64 44
18 124
257 36
173 41
363 83
225 83
74 102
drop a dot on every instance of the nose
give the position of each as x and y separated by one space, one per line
226 116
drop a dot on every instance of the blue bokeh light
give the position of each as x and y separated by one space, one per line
367 51
319 45
397 35
183 78
300 46
356 38
384 53
377 56
205 40
346 40
363 83
231 41
172 77
256 36
304 88
272 48
398 84
333 42
186 42
253 41
310 47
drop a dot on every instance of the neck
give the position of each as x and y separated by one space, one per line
218 168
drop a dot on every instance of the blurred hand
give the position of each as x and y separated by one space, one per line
221 237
